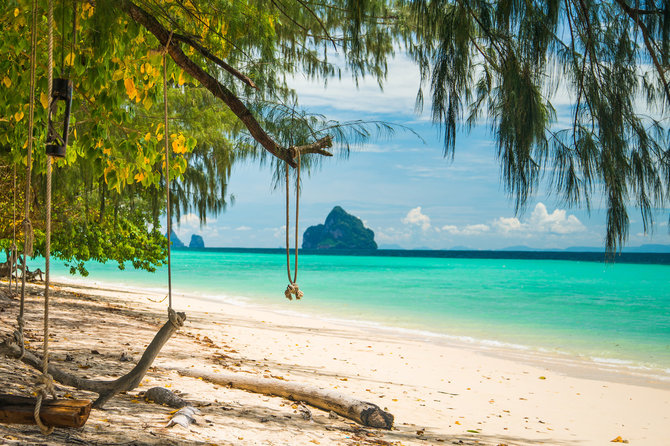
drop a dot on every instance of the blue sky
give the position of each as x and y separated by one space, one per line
403 188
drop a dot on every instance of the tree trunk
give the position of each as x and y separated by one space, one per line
104 389
367 414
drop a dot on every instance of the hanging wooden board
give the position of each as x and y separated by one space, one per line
58 413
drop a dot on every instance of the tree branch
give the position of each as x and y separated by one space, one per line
634 15
315 147
219 90
205 52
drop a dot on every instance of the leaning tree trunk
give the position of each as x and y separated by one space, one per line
104 389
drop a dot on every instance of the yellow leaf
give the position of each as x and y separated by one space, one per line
117 75
75 133
16 12
107 151
457 422
44 100
147 137
181 78
18 116
139 177
130 87
7 81
148 102
148 68
69 59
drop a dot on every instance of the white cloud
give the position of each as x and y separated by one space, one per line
415 217
189 219
541 221
505 225
466 230
243 228
398 95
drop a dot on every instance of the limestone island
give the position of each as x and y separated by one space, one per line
340 231
196 241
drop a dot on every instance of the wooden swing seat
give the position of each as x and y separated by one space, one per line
58 413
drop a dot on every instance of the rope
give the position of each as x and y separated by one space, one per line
45 381
12 251
27 227
29 237
292 289
167 181
18 336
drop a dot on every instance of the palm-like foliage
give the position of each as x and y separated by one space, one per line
507 60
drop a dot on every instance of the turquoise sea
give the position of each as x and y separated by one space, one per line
614 313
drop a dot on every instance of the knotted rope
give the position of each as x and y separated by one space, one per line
292 289
45 386
18 336
175 318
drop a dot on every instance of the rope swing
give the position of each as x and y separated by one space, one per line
45 385
292 289
27 226
176 320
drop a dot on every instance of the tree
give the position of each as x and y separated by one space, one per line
108 186
506 60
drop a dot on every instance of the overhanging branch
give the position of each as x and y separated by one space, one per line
208 54
219 90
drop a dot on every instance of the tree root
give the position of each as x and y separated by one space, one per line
104 389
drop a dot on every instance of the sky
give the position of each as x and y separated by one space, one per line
403 188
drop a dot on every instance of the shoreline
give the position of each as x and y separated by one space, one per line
626 371
439 393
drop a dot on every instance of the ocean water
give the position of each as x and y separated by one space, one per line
616 313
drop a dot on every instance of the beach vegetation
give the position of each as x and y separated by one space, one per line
506 64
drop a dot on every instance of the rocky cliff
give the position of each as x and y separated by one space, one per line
196 241
176 242
341 230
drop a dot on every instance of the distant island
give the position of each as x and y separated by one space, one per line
176 241
341 230
196 241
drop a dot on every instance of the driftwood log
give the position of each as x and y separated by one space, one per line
104 389
58 413
362 412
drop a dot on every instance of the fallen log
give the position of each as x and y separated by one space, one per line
58 413
362 412
104 389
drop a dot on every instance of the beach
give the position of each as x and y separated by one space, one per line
438 392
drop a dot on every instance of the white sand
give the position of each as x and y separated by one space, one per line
439 393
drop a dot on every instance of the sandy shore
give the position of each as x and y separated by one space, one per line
439 393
